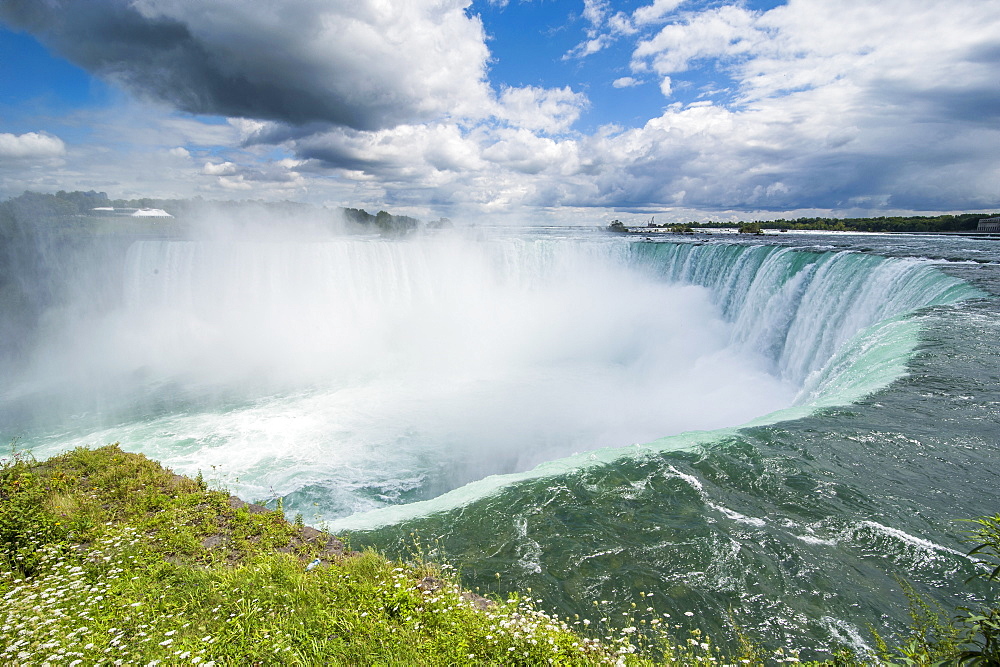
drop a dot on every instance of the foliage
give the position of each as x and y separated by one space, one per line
932 635
618 227
750 228
26 524
971 638
911 223
987 539
984 623
383 222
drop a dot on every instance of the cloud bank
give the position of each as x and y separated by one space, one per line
854 106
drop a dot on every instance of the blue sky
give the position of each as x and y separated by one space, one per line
529 43
563 111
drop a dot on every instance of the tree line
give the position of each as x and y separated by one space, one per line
936 223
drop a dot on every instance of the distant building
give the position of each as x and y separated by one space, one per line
124 212
989 225
160 213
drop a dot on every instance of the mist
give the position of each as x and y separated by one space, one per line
368 370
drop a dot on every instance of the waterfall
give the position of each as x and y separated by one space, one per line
797 308
370 372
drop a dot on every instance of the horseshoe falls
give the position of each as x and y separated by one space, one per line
769 432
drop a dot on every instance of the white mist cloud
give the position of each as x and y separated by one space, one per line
724 32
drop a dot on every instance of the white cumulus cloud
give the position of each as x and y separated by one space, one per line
549 110
656 11
30 146
220 169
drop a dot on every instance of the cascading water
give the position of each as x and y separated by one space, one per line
801 309
798 308
384 371
488 390
378 371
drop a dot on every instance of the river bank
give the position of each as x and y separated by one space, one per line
108 558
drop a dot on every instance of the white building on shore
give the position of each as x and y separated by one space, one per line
988 225
123 212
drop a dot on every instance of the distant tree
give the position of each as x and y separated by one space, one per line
358 216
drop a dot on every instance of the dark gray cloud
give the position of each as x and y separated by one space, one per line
351 64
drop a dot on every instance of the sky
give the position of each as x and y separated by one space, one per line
551 111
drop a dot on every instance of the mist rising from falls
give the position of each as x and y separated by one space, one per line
361 372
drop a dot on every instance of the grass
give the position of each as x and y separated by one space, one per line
107 558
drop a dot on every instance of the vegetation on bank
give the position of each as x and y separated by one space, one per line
936 223
107 558
913 223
